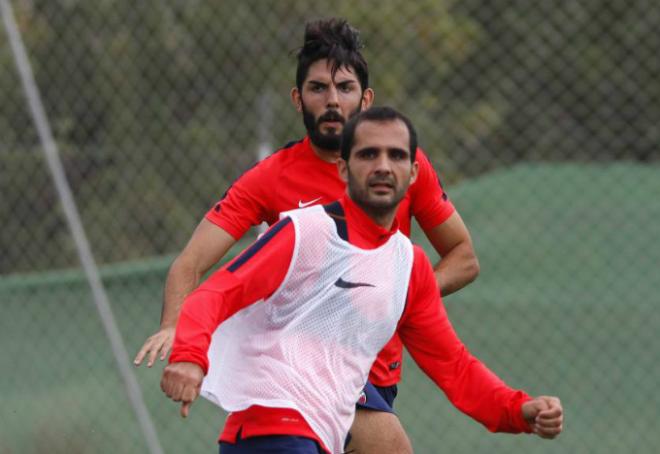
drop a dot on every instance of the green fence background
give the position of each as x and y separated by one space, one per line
542 120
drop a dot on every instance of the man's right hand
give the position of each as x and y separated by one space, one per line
182 383
159 343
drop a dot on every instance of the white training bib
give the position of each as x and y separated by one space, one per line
310 345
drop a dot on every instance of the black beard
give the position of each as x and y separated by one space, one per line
331 141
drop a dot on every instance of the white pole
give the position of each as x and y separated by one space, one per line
264 106
77 231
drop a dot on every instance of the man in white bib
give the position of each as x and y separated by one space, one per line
287 332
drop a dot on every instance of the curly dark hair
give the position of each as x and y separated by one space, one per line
335 40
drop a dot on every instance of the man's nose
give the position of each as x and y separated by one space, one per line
383 164
333 97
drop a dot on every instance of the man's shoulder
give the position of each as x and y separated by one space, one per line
425 166
422 158
278 161
292 150
292 146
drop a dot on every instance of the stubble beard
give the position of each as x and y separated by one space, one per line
377 209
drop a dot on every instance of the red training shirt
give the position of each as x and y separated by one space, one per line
424 329
294 177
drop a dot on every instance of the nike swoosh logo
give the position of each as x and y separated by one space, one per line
302 204
343 284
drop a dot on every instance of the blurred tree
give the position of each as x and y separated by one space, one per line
570 81
158 106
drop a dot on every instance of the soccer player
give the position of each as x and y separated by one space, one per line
332 83
304 311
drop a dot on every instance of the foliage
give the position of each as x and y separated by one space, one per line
158 106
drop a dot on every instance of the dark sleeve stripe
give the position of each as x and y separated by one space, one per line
442 189
336 212
257 245
218 206
445 196
290 144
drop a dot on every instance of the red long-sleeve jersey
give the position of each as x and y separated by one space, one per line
424 329
294 177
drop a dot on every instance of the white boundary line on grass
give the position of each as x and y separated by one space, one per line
77 231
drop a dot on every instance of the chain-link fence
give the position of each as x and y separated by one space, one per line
542 119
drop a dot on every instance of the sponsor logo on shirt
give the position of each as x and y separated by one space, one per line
302 204
395 365
345 284
288 419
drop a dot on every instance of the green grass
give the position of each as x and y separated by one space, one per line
566 304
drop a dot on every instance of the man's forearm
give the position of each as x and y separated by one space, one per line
182 279
457 269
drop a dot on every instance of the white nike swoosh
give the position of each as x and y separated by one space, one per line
302 204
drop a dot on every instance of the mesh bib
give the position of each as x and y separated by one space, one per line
310 346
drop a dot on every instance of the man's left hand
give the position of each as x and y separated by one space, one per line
545 416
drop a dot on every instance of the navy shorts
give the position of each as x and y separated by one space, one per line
377 398
271 444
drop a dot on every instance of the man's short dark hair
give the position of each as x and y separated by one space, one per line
339 43
378 114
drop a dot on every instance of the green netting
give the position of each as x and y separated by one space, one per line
566 304
540 117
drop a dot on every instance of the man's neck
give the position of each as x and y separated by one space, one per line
382 217
326 155
383 220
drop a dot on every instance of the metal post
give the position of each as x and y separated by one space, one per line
77 231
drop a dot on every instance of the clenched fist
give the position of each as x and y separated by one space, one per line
545 416
181 382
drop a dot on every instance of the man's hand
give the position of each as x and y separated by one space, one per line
545 416
161 342
181 382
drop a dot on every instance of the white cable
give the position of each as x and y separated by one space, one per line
77 231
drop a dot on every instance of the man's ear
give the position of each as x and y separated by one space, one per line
342 168
414 171
296 99
367 98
